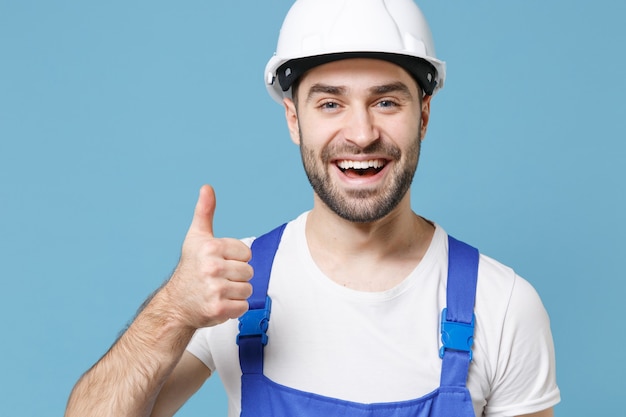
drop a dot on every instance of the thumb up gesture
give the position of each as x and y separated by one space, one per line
211 282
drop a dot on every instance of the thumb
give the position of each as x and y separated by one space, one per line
205 209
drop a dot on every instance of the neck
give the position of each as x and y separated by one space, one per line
394 244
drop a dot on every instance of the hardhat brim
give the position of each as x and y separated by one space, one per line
424 73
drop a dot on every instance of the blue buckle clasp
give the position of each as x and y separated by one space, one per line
255 322
456 336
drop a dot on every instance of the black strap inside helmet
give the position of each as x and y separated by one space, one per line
421 70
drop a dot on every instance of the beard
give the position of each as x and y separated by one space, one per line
367 204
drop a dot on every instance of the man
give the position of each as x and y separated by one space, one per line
358 284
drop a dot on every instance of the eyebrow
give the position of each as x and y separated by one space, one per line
325 89
395 87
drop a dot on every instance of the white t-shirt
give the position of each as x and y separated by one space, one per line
384 346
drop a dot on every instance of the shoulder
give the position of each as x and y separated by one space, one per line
293 226
499 286
496 281
507 302
512 331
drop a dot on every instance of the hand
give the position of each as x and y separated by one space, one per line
210 284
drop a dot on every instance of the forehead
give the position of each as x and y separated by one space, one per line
357 73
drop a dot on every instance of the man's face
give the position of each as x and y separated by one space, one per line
359 124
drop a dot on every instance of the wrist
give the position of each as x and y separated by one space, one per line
164 313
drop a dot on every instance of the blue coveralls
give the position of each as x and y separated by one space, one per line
261 397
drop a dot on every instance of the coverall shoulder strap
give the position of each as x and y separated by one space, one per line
254 323
462 279
457 319
263 251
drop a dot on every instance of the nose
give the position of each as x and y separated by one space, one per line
360 128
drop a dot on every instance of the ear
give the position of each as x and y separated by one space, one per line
425 115
291 114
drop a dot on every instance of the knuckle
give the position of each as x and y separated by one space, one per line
213 267
217 291
213 246
224 311
218 311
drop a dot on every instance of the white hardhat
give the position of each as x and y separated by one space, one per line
319 31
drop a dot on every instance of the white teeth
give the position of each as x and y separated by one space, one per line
372 163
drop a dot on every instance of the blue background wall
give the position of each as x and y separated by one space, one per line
112 114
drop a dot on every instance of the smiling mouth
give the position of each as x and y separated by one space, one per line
361 168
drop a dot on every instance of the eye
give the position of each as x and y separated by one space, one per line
329 105
386 104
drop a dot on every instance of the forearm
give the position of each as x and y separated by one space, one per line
209 286
127 380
